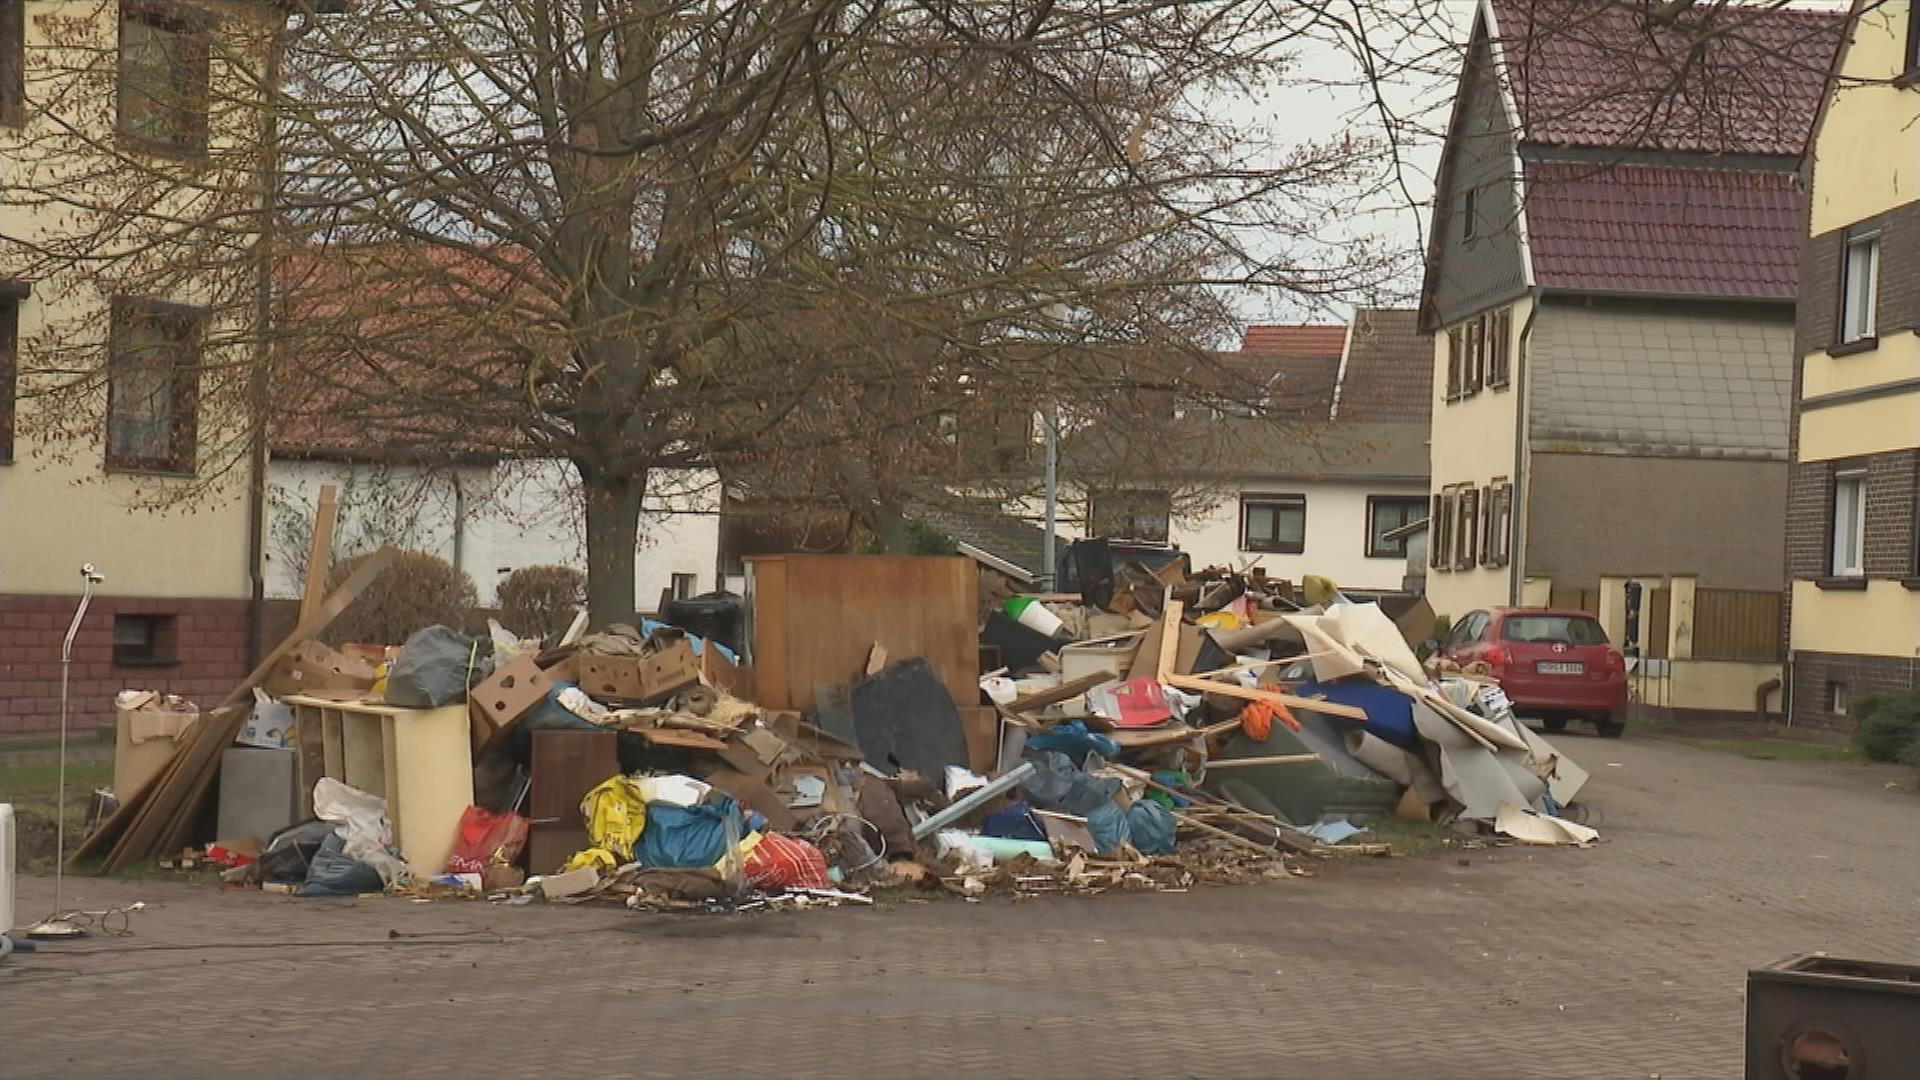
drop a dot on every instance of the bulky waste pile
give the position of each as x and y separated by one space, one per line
1171 734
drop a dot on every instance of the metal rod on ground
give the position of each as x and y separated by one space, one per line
57 925
974 800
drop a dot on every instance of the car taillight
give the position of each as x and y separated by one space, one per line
1615 661
1495 656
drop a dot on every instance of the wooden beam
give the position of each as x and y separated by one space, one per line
1208 686
1270 759
336 602
320 552
1040 699
1169 639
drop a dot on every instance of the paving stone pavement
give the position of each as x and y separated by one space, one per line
1627 960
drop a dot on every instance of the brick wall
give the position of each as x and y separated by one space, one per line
1809 497
208 644
1813 674
1887 550
1897 305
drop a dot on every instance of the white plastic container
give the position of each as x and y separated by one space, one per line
7 857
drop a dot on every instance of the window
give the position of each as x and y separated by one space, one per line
1134 515
1837 698
1469 215
1859 283
1476 364
1500 348
152 387
1386 513
163 77
13 62
1552 629
684 585
1471 628
1849 521
1466 528
1497 542
9 373
1275 523
143 640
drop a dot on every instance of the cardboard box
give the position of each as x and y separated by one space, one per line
147 731
507 694
312 667
668 671
609 677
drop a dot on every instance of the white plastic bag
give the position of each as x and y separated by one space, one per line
271 725
361 820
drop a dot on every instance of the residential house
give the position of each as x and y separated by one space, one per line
1335 466
175 611
1611 282
1851 511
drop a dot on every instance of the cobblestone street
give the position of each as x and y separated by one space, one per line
1627 960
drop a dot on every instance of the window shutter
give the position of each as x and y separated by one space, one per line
1455 359
1434 532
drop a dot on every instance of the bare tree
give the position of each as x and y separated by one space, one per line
641 235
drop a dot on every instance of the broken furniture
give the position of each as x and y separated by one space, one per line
565 765
419 760
815 618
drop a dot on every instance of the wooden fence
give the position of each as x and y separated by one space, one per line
1736 624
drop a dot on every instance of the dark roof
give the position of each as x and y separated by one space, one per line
1295 387
1665 230
1306 339
1388 375
1724 78
1342 451
1002 537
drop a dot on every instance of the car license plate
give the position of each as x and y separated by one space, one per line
1559 667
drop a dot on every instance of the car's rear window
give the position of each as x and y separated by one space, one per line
1554 629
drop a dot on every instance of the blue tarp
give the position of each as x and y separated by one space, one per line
648 626
1389 712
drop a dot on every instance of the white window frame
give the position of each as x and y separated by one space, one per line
1859 286
1849 561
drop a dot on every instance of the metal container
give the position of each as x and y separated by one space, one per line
1816 1017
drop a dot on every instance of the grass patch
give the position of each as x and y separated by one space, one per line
34 792
1409 838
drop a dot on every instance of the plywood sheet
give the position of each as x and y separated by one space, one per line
816 618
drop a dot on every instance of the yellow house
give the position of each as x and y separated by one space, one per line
1851 535
124 432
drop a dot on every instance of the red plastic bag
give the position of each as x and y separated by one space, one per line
786 862
482 835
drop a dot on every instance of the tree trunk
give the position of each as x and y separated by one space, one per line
613 524
889 524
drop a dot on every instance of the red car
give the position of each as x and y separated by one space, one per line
1553 664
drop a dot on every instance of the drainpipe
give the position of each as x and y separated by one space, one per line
1516 529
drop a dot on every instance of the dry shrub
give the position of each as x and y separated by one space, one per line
540 601
417 590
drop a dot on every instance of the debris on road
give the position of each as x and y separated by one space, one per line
1226 737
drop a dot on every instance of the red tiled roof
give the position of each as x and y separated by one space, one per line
1307 339
1664 230
1588 74
1389 369
407 352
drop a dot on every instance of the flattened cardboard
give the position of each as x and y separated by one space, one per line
753 793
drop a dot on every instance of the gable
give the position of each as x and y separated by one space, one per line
1466 273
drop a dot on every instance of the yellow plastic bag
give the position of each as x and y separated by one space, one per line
616 813
599 858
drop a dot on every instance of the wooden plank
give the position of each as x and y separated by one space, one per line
1040 699
157 817
320 552
130 806
1169 643
1171 735
1208 686
336 602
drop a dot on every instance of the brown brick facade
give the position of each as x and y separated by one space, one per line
1815 674
207 642
1897 306
1888 549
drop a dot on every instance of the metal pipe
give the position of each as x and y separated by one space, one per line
974 800
55 925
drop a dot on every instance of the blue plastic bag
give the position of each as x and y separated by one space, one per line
685 837
1016 822
1074 740
1151 826
334 873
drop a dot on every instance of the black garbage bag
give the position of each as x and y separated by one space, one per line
437 666
289 853
335 874
1059 784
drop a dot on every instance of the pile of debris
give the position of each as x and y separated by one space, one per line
1177 733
